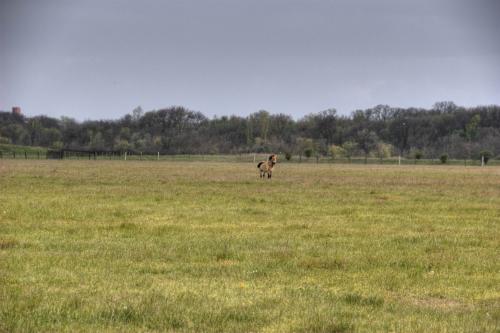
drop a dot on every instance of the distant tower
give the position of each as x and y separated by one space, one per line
16 110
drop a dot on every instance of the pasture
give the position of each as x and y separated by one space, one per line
128 246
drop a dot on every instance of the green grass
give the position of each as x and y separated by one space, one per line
209 247
21 149
9 151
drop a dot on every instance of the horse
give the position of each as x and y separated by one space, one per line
267 166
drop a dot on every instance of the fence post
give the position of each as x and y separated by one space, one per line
125 155
482 160
399 160
158 156
14 154
141 156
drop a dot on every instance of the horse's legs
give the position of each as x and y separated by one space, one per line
269 174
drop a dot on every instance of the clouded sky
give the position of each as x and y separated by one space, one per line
96 59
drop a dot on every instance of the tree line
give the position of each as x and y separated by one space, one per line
381 131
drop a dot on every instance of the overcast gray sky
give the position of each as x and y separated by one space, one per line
94 59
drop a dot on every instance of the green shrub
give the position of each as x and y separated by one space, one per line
336 151
350 148
486 155
308 152
443 158
288 156
383 150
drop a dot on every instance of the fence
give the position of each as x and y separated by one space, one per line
243 158
22 155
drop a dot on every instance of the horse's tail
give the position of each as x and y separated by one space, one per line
258 165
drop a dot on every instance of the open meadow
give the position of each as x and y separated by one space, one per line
128 246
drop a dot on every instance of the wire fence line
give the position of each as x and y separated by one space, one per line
243 158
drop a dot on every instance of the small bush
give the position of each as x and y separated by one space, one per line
288 156
443 158
308 152
336 151
383 150
349 149
418 155
486 155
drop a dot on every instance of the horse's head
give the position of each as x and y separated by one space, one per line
273 159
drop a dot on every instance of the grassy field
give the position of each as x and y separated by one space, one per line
200 246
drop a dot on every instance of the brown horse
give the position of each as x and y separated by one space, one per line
267 166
